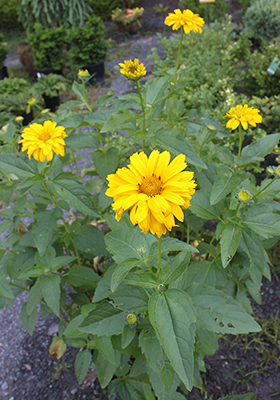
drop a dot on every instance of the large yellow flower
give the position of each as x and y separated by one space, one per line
242 115
187 19
133 70
43 140
153 190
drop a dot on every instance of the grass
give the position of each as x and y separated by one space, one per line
59 368
12 39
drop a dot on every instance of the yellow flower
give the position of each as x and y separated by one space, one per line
19 118
31 101
242 115
83 74
244 195
133 70
42 140
187 19
277 171
153 190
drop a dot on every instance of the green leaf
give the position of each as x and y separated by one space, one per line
171 244
50 286
130 298
82 364
105 162
255 253
140 278
68 188
247 396
219 312
174 268
121 270
34 296
206 272
6 224
29 321
104 345
60 262
201 206
229 242
128 334
154 90
105 370
179 145
29 182
90 241
5 288
206 342
262 221
13 164
126 244
261 147
173 317
225 183
78 89
104 320
43 229
151 347
116 120
103 288
83 277
72 330
202 119
82 140
159 387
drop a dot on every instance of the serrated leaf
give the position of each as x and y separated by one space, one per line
90 241
174 268
5 288
34 296
104 345
82 364
261 147
72 330
13 164
50 286
104 320
171 244
68 188
84 277
105 370
6 224
172 315
179 145
202 119
105 162
140 278
130 298
154 90
128 334
229 242
201 206
121 271
218 312
206 272
255 253
225 183
116 120
43 229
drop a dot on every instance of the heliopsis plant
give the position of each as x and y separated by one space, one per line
42 141
186 19
133 70
153 190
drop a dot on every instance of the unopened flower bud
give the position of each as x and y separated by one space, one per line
244 196
19 119
83 74
131 318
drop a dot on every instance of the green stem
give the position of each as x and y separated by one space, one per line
266 186
75 162
240 141
5 176
188 233
18 286
179 55
237 208
100 139
143 114
86 97
148 265
159 257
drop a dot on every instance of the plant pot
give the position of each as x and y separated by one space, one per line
47 71
3 73
27 118
131 28
51 102
98 70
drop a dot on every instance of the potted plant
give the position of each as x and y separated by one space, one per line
88 47
47 47
3 54
128 20
48 86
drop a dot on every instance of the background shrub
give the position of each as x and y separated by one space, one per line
8 14
262 19
217 9
104 8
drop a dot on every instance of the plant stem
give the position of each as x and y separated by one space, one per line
143 114
240 141
100 139
159 257
266 186
188 233
86 97
179 55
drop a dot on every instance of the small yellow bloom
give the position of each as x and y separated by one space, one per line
274 171
19 118
45 111
244 195
131 318
133 70
242 115
153 190
187 19
43 140
83 74
277 171
31 101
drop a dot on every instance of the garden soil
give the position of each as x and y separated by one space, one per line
27 371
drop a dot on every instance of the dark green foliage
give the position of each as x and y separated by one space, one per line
216 10
53 13
87 43
104 8
46 45
3 50
262 19
50 84
8 14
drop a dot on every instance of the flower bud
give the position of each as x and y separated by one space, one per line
244 196
131 318
83 74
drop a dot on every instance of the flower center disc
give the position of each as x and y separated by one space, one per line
45 136
151 186
132 69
